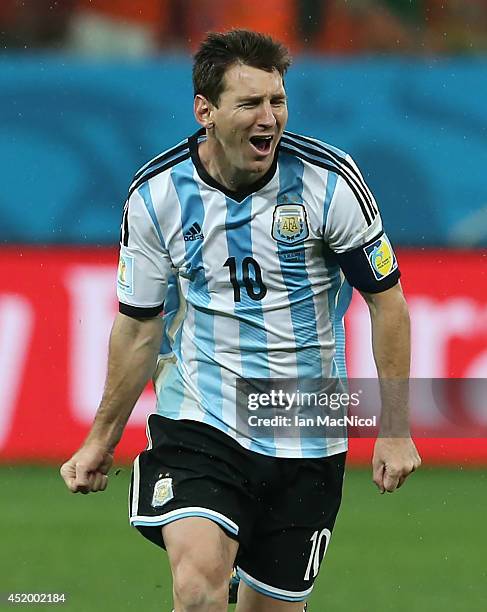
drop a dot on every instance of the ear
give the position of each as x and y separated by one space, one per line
203 111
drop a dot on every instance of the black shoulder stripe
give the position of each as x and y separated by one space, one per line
124 228
160 158
135 185
332 167
347 169
323 147
320 148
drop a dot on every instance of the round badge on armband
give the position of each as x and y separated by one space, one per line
381 257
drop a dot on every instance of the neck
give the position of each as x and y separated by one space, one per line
215 162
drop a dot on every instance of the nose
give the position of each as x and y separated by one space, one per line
266 116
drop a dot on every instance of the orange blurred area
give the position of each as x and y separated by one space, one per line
317 26
148 12
278 19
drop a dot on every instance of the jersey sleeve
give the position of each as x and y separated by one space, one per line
353 231
144 264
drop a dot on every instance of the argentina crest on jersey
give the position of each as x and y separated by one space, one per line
290 223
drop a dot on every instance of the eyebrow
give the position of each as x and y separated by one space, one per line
257 98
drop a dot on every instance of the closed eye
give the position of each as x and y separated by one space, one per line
248 104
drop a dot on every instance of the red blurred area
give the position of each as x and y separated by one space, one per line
56 309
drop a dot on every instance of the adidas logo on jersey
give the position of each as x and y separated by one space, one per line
194 233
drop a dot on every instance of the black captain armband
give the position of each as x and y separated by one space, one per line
372 267
138 312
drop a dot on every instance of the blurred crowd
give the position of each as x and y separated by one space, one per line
140 27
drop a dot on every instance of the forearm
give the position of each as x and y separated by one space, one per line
395 455
391 338
132 355
391 347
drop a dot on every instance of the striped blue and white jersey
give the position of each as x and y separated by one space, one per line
254 283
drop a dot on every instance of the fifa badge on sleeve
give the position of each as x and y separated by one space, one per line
125 275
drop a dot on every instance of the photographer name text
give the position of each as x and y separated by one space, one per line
280 420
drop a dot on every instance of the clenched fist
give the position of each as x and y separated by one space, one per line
86 471
394 460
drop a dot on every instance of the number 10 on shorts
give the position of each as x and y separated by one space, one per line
314 557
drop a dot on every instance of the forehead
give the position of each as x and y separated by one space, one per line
241 80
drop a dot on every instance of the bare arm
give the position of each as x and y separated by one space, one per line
133 349
395 456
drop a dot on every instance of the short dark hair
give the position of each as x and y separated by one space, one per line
221 50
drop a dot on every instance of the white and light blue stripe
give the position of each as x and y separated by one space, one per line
295 277
190 511
208 370
270 591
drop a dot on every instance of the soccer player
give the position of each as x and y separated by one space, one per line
261 234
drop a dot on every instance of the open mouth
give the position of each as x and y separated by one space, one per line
262 144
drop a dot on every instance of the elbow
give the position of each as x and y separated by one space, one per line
390 304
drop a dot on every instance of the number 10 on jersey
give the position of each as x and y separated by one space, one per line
250 275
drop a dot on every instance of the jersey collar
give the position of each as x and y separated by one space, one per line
239 195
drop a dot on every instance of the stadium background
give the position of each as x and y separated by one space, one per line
92 89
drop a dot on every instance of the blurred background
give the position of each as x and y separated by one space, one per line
92 89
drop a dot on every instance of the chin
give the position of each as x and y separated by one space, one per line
260 166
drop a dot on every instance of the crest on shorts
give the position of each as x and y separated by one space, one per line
162 492
290 224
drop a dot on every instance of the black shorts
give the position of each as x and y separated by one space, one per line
281 511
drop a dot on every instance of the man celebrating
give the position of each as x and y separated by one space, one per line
260 234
